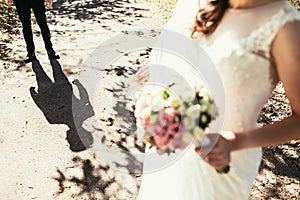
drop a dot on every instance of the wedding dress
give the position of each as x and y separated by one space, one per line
240 50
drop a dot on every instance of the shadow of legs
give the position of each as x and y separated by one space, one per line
59 105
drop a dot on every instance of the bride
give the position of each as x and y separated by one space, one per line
254 44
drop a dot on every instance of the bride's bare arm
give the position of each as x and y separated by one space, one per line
286 54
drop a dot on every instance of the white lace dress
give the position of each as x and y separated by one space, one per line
240 49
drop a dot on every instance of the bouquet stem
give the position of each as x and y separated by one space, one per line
224 170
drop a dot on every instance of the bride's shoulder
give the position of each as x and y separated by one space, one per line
284 7
285 13
273 17
288 6
287 36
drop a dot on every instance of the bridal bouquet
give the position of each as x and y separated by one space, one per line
172 122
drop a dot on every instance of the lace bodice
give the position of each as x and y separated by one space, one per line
240 48
244 60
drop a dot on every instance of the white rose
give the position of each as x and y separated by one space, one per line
181 109
188 123
157 104
175 103
213 111
188 96
158 100
152 90
203 108
171 102
187 137
146 112
198 133
193 111
204 92
153 118
157 107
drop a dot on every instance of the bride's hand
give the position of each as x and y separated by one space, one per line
217 152
143 75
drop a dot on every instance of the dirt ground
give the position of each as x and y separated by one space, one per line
42 156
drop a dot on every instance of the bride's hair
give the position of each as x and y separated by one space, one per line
209 17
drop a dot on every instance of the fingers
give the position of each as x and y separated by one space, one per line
214 156
141 80
143 75
75 82
208 145
32 91
216 152
217 161
34 95
217 164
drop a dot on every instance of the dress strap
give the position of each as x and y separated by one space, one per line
260 40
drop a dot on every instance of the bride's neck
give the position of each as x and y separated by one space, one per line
240 4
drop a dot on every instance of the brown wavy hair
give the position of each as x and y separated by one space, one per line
209 17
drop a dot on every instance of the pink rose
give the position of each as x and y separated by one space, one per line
177 143
153 128
167 131
159 134
161 138
169 136
177 130
167 116
144 121
173 129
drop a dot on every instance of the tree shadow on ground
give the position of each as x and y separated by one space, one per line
97 10
97 181
122 119
60 106
120 135
281 161
9 28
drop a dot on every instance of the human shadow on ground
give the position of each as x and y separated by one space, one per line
60 106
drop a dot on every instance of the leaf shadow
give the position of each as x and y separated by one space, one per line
95 182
